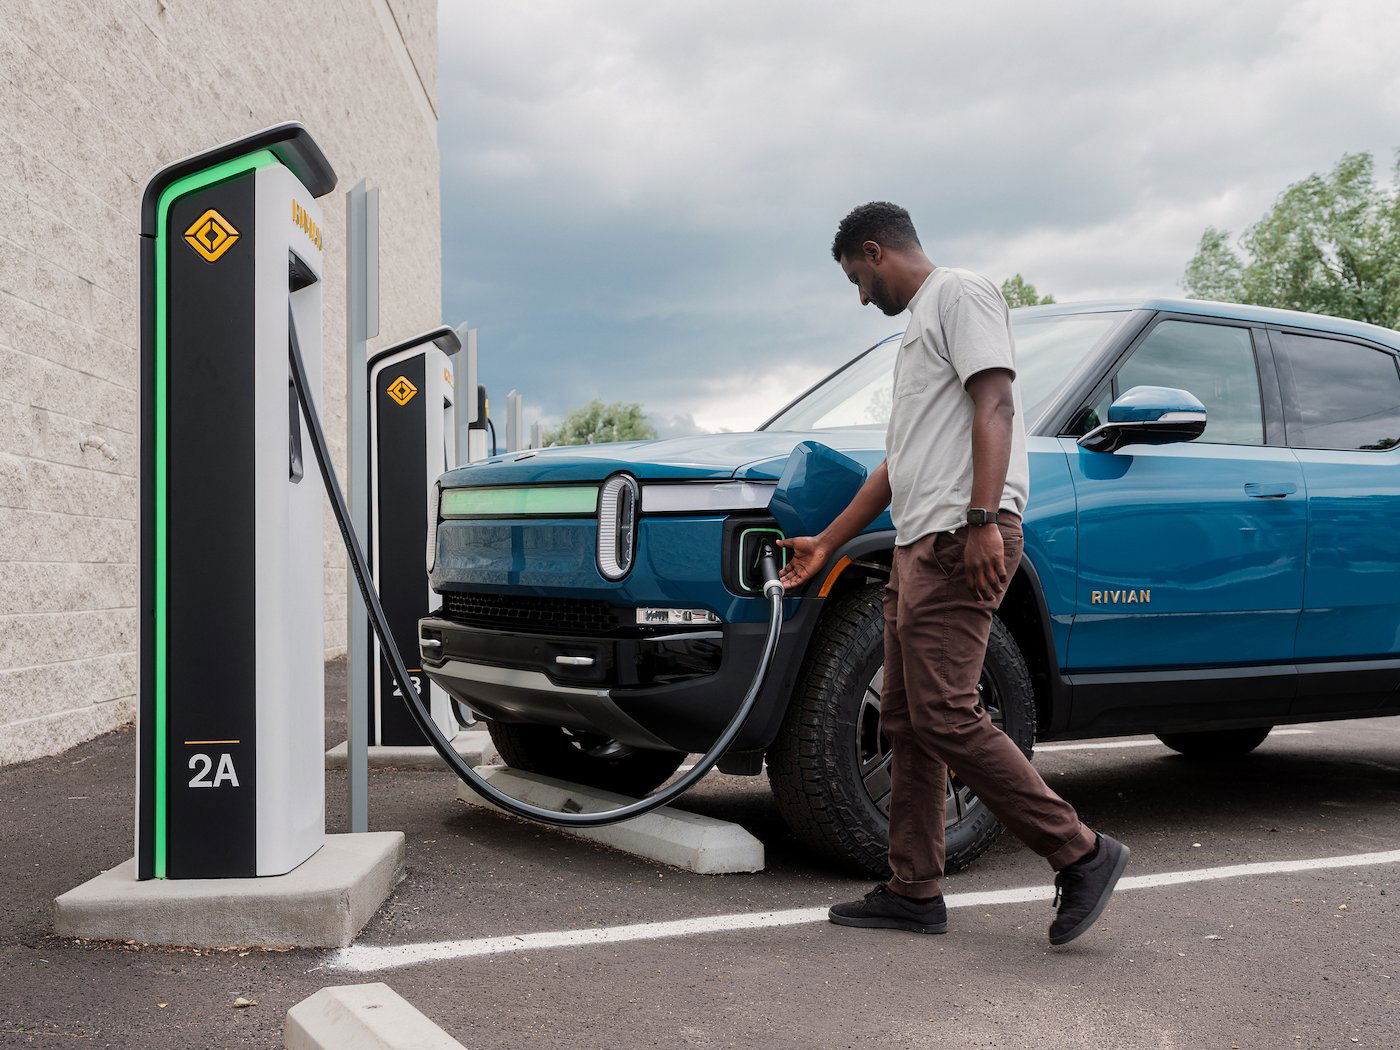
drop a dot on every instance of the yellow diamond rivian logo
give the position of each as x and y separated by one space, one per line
401 390
211 235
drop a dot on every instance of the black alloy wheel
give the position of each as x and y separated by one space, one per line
873 749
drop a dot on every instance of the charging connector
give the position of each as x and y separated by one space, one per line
766 562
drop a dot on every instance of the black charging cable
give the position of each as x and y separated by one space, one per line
772 589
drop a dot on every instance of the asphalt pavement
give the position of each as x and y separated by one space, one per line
1299 950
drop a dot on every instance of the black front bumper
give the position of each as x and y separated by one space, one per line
675 691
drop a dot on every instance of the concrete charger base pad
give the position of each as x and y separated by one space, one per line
322 903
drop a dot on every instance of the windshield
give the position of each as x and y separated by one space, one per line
861 394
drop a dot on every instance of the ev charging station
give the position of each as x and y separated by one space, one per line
413 440
230 718
230 750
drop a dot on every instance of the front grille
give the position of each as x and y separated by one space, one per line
520 612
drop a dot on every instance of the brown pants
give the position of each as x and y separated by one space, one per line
935 641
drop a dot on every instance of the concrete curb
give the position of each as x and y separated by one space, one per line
474 745
671 836
361 1017
322 903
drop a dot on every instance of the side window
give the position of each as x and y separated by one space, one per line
1346 396
1213 361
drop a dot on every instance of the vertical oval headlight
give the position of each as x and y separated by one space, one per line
434 509
617 525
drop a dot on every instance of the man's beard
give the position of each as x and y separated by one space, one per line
881 299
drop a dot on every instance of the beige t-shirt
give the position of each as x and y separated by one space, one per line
959 325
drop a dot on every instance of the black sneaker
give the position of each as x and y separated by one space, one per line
883 909
1082 889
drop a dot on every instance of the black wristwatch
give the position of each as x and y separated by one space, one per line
978 516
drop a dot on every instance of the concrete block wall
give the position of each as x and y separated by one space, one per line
97 95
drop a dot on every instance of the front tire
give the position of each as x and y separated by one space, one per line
1219 743
583 758
829 766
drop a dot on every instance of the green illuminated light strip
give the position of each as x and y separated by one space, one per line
178 188
520 501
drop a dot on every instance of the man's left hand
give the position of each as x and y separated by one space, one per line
984 559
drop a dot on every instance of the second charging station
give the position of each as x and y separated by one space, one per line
413 435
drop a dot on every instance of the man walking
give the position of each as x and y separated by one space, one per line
955 479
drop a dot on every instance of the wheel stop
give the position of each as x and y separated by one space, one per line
705 845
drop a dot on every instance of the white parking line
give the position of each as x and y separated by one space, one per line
372 958
1105 745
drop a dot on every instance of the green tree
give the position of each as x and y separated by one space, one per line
1017 291
596 422
1330 244
1215 271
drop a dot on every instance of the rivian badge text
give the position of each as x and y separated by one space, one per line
1119 597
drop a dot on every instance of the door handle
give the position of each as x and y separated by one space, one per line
1269 489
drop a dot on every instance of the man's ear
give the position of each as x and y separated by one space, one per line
873 252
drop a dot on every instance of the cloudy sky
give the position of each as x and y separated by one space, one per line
639 197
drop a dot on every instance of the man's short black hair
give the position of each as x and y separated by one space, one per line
888 225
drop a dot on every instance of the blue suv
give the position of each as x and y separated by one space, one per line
1212 548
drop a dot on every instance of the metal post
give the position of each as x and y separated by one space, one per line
361 325
464 391
512 435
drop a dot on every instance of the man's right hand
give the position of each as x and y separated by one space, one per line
808 557
810 553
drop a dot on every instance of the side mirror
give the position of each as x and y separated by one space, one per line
1148 415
